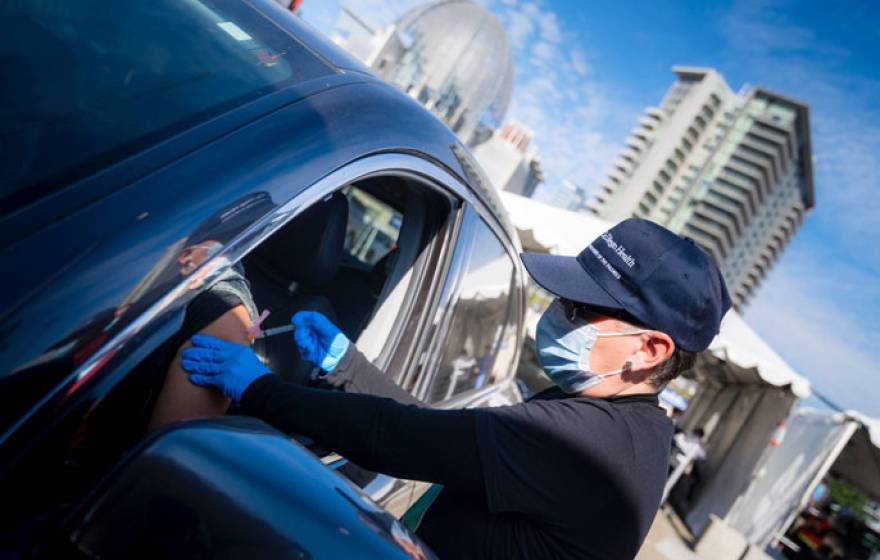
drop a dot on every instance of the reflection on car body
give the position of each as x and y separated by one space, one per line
292 173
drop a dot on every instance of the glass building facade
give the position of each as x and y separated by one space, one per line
454 58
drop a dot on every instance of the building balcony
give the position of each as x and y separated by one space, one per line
774 138
733 183
726 213
719 226
735 209
747 151
630 154
704 239
758 184
624 166
761 161
656 113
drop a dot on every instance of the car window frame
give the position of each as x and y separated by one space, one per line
449 295
389 352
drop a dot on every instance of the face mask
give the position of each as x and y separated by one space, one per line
564 347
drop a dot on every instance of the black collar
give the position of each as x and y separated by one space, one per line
652 398
556 393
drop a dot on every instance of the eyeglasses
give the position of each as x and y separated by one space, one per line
575 310
589 313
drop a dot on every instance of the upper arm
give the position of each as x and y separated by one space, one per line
179 399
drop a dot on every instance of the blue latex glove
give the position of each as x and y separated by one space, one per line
319 341
224 365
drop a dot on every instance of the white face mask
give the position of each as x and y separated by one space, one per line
564 345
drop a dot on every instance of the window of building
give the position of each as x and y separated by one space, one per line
481 313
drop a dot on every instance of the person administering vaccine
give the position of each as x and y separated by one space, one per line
575 472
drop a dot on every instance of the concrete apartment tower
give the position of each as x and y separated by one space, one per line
732 171
508 161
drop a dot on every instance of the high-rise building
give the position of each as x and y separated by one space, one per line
732 171
450 55
566 195
508 162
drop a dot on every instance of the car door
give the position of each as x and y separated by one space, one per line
471 334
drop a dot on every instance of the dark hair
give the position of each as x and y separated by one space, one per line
679 362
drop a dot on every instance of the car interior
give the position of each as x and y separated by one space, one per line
368 236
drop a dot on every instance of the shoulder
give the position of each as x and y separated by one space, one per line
549 420
214 304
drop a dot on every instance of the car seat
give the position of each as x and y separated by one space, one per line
289 273
356 292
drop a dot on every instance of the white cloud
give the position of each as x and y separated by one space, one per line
549 25
575 118
543 51
579 63
520 27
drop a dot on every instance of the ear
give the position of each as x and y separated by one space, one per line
656 347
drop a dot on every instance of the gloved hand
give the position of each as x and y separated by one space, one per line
319 341
224 365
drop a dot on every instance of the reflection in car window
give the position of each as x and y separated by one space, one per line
480 316
373 227
88 83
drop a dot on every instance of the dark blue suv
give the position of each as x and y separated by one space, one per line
149 148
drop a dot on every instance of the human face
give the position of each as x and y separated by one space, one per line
622 344
194 255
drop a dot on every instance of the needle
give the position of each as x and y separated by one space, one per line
274 330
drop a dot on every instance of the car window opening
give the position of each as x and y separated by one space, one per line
344 256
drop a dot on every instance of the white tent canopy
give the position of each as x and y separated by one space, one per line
817 443
859 463
549 229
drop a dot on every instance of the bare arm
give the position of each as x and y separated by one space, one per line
181 400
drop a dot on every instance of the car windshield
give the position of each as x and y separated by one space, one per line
88 83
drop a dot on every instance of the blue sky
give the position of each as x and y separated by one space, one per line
586 70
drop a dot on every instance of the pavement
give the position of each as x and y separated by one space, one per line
668 539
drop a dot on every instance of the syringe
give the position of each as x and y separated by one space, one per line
273 331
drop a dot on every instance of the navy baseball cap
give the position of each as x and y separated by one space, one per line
665 282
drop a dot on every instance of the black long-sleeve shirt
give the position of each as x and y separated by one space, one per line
556 477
